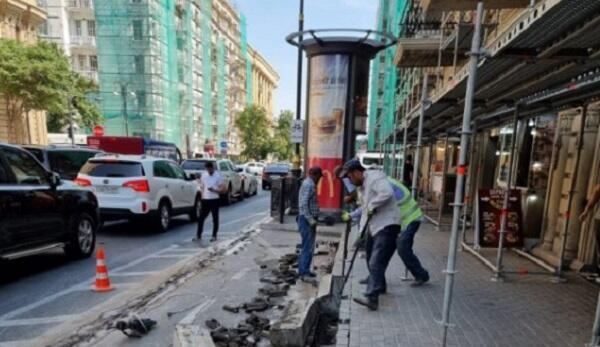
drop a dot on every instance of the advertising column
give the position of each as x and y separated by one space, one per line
327 109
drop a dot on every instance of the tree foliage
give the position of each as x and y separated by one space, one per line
282 145
253 126
39 77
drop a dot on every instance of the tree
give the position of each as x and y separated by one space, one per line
282 145
253 125
39 77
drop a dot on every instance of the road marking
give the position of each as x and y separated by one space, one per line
240 274
35 321
171 256
134 273
190 317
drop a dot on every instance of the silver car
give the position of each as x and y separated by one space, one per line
231 177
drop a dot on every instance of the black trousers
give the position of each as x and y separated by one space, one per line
209 206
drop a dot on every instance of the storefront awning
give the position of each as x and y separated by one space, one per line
552 51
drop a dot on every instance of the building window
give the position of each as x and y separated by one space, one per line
78 31
141 98
137 29
43 29
91 28
93 63
139 64
82 65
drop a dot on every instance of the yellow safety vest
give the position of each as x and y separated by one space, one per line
409 209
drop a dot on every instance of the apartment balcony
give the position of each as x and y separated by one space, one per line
81 6
93 75
83 42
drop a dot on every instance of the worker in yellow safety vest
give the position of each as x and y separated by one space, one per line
410 221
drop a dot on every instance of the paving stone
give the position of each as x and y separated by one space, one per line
522 311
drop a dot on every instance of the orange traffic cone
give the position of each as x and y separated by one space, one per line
102 280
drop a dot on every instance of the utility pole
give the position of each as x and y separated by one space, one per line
124 96
71 125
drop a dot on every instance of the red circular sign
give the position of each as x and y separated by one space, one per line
98 130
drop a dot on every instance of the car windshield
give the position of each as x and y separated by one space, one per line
277 168
194 165
103 168
371 161
68 163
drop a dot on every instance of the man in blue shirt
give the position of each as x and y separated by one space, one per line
307 219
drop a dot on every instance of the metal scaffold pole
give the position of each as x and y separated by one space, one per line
504 215
460 179
595 340
415 182
404 138
558 275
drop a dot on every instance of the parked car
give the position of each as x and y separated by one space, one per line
66 160
141 188
255 168
274 170
36 216
249 181
229 173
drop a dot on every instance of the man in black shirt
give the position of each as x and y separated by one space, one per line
408 171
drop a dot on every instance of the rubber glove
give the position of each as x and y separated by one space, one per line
346 217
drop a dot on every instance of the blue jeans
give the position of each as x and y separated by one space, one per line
405 251
308 246
384 245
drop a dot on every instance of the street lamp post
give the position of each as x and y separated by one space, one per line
296 161
71 115
123 94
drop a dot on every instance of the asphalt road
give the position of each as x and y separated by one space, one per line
42 291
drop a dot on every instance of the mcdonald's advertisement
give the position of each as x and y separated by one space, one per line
326 117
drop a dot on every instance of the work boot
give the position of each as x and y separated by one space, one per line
213 239
371 303
364 280
419 282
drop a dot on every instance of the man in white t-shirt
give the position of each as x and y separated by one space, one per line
211 185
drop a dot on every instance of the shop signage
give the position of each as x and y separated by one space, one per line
489 215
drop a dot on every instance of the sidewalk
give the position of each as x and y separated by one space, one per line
522 311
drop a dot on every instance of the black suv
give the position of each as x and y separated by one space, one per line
37 214
65 160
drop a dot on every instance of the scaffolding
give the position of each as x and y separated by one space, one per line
143 64
247 62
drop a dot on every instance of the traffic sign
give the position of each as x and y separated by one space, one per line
98 130
297 131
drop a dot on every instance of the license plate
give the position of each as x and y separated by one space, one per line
107 190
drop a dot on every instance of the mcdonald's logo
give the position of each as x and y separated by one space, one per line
327 176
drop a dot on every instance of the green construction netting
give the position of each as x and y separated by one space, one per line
142 67
221 116
207 106
249 99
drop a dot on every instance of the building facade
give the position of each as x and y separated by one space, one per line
535 119
19 20
71 24
264 81
174 71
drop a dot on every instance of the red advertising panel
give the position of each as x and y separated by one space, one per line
326 117
117 144
490 202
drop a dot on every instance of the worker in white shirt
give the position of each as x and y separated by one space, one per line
212 187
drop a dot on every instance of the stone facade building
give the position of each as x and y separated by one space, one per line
19 20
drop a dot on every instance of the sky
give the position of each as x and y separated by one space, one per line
270 21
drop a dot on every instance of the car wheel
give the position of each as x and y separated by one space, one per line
228 198
83 236
242 192
195 214
163 218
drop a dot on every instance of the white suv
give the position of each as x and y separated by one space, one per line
141 188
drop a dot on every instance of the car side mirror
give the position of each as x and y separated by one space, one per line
239 170
54 179
191 177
